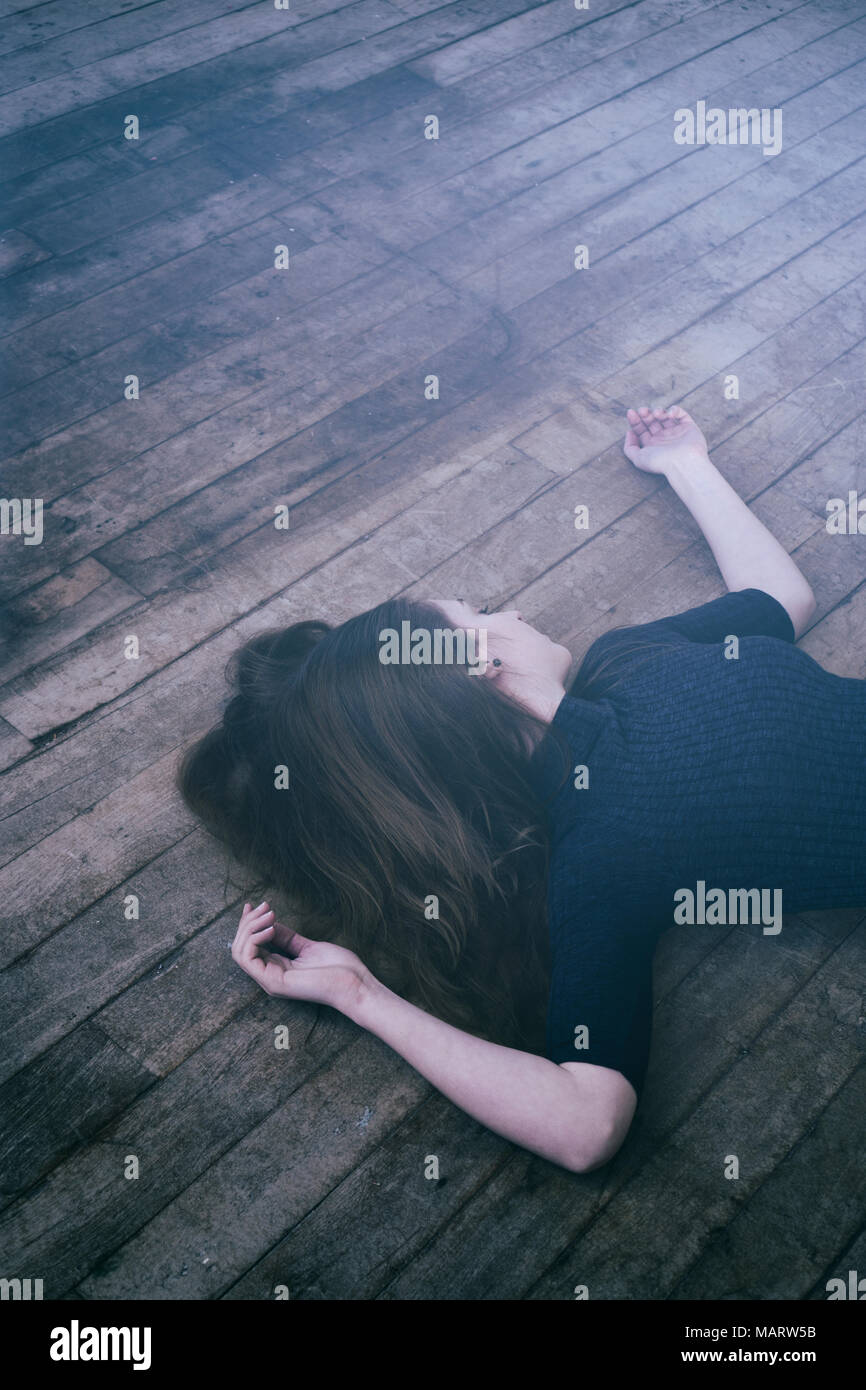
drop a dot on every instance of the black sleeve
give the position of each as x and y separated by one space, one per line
742 613
603 939
602 982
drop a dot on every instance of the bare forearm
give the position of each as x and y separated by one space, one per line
747 554
525 1098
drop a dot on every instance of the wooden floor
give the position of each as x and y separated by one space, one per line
138 1039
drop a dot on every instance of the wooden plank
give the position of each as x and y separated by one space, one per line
20 28
204 608
18 251
100 953
382 1212
706 277
266 1211
380 49
217 511
803 951
41 395
179 74
615 179
185 376
610 274
37 349
854 1258
499 86
702 207
838 641
232 205
105 35
167 97
28 195
523 150
60 1102
171 54
763 1253
581 599
123 1012
100 848
200 178
470 1158
177 1129
18 706
66 452
454 62
312 470
346 114
60 612
591 581
189 995
272 342
13 745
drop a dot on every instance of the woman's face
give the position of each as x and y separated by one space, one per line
523 650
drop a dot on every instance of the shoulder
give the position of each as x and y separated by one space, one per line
624 652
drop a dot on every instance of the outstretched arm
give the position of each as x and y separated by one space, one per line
749 557
576 1117
574 1114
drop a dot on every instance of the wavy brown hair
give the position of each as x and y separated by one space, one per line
404 781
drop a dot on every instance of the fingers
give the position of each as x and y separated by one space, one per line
254 921
637 425
257 926
647 425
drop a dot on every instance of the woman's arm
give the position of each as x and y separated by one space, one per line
577 1118
748 556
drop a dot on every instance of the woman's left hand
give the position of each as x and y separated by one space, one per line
287 964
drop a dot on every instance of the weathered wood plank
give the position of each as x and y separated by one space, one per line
48 618
763 1253
18 252
109 29
178 1129
854 1258
60 1102
171 54
216 510
13 745
535 150
185 378
98 849
36 349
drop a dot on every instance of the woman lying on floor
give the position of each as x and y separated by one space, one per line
504 848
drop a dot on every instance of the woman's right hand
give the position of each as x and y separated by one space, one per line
292 966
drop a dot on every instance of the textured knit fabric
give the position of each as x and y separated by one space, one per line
742 771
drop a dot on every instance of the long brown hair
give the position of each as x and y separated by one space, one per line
411 829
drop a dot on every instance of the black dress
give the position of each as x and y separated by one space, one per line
712 767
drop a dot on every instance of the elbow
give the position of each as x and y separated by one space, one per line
589 1157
